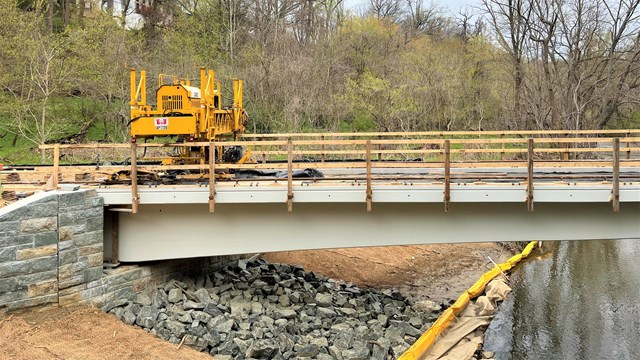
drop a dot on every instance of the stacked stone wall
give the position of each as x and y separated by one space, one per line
52 251
29 253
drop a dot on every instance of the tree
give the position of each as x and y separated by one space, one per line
509 21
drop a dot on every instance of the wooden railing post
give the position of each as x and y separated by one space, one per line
322 148
212 177
134 178
56 165
530 174
379 148
289 176
447 174
616 175
503 147
628 147
264 156
369 196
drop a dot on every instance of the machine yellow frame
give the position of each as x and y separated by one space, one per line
196 114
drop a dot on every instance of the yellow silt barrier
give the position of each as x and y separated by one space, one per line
417 350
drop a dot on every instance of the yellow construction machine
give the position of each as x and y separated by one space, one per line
193 114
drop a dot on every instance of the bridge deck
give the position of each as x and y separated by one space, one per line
397 185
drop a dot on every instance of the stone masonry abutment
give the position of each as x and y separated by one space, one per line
52 253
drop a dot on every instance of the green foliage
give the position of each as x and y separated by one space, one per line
308 68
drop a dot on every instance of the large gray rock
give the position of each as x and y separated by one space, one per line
142 299
380 349
240 307
147 316
202 295
326 312
225 327
191 305
284 342
262 349
283 300
175 296
243 345
394 334
113 304
399 349
359 352
324 299
185 318
335 352
320 342
344 340
310 350
408 328
212 337
176 327
212 309
128 317
201 316
283 314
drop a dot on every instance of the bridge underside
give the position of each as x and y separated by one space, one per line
181 231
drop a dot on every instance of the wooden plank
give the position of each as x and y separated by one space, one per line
290 176
530 155
56 165
447 175
322 142
447 133
212 177
134 178
616 176
369 196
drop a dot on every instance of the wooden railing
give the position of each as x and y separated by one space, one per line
366 151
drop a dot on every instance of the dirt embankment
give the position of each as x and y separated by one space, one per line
439 272
81 333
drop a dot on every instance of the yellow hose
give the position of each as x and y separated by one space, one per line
417 350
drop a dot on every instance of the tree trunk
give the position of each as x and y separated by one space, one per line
81 9
51 8
517 92
66 14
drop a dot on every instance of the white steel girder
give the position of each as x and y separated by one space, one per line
167 231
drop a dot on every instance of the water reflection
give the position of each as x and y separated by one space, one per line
581 301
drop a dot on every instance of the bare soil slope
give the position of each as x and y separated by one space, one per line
81 333
439 272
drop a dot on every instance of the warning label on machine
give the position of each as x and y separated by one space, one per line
161 123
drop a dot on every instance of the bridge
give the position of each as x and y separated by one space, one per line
307 191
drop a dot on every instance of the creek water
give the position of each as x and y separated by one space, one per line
576 300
